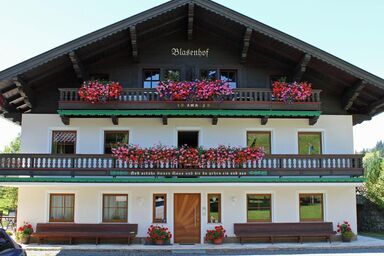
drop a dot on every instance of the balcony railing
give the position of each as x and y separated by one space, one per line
107 165
139 98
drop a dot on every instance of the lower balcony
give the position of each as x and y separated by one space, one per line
34 165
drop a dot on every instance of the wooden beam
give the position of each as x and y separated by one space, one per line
15 117
313 120
66 120
24 90
115 120
190 20
165 120
133 35
215 120
373 107
77 66
246 42
351 94
301 67
359 118
264 120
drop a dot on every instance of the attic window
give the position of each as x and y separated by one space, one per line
229 76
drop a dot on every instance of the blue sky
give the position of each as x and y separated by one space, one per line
349 29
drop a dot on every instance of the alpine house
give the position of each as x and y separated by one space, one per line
188 115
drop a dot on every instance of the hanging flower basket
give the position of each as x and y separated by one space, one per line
98 91
291 92
194 91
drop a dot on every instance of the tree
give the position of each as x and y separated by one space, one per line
14 146
8 195
374 173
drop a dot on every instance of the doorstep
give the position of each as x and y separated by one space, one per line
362 242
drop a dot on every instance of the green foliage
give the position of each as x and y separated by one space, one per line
14 146
8 195
374 173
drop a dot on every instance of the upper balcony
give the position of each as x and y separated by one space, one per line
145 99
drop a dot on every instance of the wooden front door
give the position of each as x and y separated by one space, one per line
187 218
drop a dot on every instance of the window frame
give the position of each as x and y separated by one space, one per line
154 220
218 207
261 132
230 70
74 144
113 131
102 209
307 133
270 207
322 207
151 81
50 207
208 69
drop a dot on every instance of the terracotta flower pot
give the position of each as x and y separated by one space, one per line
218 241
25 239
346 239
159 242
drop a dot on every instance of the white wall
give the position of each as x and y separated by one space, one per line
339 202
336 131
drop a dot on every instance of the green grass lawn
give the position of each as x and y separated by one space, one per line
379 235
310 212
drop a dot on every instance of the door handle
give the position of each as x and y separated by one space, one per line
195 217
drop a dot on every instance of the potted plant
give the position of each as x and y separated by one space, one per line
345 231
158 235
23 234
215 235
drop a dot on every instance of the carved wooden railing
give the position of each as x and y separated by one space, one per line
107 165
242 98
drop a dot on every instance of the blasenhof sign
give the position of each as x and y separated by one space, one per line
190 52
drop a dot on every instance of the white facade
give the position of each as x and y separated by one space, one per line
339 202
338 198
337 132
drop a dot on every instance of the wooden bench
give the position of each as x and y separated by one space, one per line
273 230
74 230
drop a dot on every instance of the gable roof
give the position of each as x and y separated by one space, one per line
371 108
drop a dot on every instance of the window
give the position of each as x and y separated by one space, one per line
172 74
229 76
311 207
214 208
208 74
260 139
151 78
160 208
259 208
61 207
309 143
113 138
63 142
189 138
115 208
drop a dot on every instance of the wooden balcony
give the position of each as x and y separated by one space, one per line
108 166
139 98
